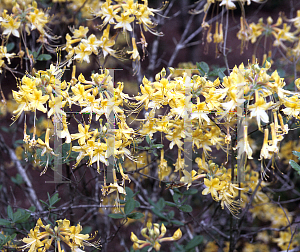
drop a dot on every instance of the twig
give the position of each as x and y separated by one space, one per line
30 192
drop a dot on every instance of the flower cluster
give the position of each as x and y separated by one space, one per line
154 236
121 16
39 240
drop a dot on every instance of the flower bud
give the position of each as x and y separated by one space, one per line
172 70
151 232
136 246
156 229
157 77
269 20
163 230
63 85
156 246
143 232
49 89
177 235
81 78
268 64
133 237
297 83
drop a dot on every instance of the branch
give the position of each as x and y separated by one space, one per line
30 192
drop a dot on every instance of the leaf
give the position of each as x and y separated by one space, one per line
159 214
295 166
151 202
129 206
17 180
44 57
191 191
4 222
13 236
296 153
158 146
32 208
44 203
160 204
171 214
129 193
197 240
86 230
176 222
176 197
186 208
135 215
2 237
10 46
116 216
221 74
10 212
21 216
171 204
54 199
148 140
203 68
137 204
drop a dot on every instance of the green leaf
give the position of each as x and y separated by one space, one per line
197 240
86 230
191 191
10 46
186 208
54 199
129 206
129 193
171 214
135 215
176 197
221 74
160 204
176 222
44 57
2 237
151 202
10 212
116 216
148 140
158 146
4 222
295 166
159 214
17 180
21 216
296 153
44 203
136 204
13 236
203 68
171 204
32 208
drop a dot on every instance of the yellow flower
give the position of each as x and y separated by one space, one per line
11 26
83 134
154 236
81 32
212 187
124 21
259 109
83 51
37 100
